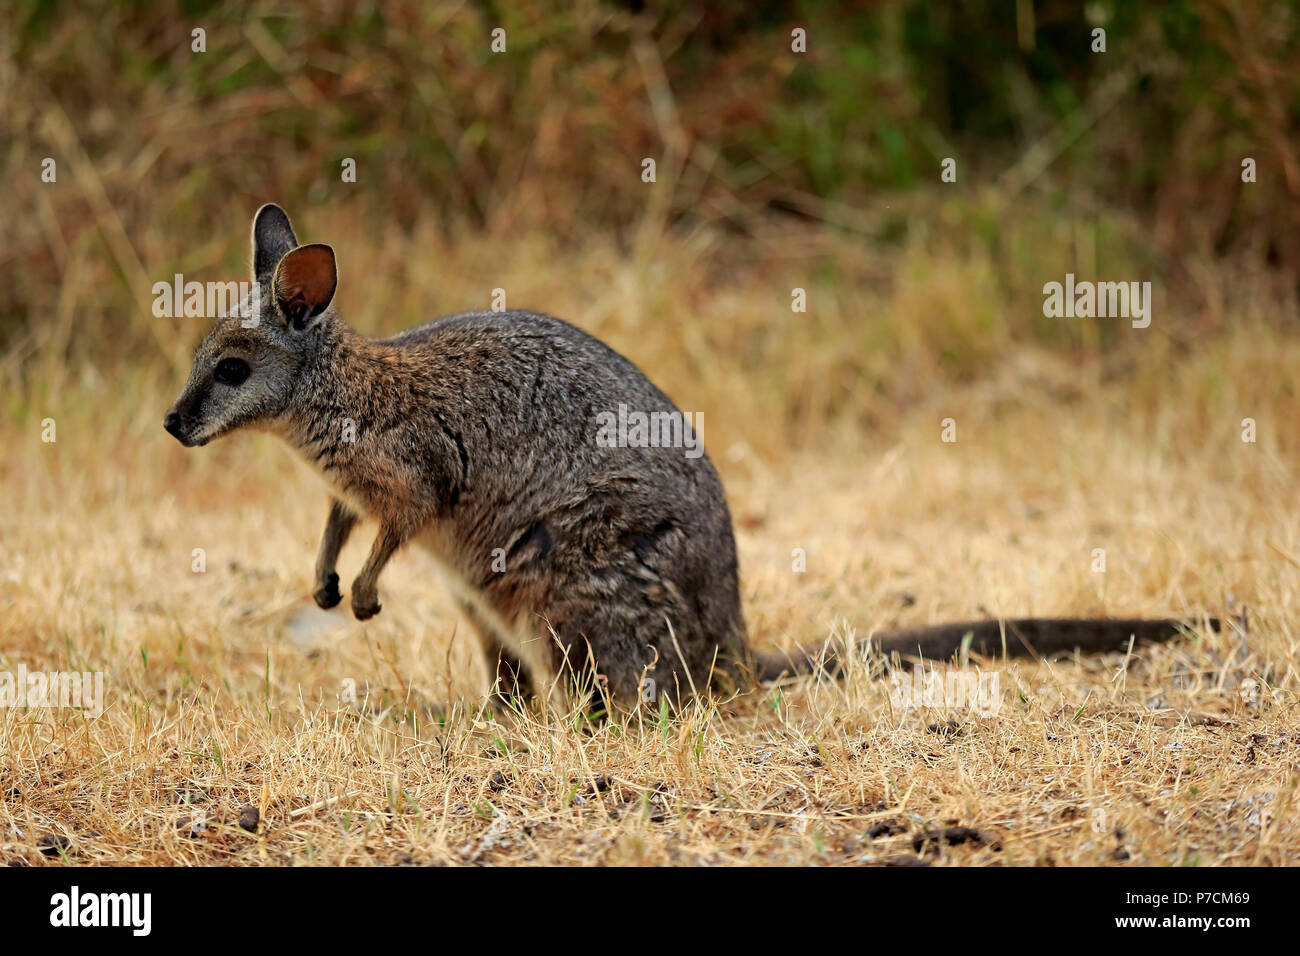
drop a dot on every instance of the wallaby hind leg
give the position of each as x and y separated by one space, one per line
504 669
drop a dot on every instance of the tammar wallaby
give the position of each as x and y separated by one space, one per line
478 436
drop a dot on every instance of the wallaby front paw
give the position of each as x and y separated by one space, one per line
327 595
364 605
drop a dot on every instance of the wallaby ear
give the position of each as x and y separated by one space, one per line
304 283
272 238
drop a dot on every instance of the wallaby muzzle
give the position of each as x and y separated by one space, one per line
182 425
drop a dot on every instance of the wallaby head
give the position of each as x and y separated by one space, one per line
248 369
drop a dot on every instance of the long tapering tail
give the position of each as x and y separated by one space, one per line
1012 637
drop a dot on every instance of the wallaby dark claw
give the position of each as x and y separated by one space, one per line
328 594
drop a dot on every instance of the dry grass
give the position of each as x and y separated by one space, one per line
225 689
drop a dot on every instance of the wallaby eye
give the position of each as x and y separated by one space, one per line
232 371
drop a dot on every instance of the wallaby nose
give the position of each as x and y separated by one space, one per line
173 424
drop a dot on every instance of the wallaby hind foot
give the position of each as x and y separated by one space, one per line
505 670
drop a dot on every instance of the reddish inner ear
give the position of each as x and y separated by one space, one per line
305 281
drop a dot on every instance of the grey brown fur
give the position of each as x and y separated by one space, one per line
475 437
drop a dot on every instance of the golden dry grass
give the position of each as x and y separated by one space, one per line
225 689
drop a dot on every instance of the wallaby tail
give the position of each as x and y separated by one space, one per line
1016 637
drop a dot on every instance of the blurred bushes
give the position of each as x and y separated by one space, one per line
163 152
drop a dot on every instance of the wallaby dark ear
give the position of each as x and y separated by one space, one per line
304 283
272 238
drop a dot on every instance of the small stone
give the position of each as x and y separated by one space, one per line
52 843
